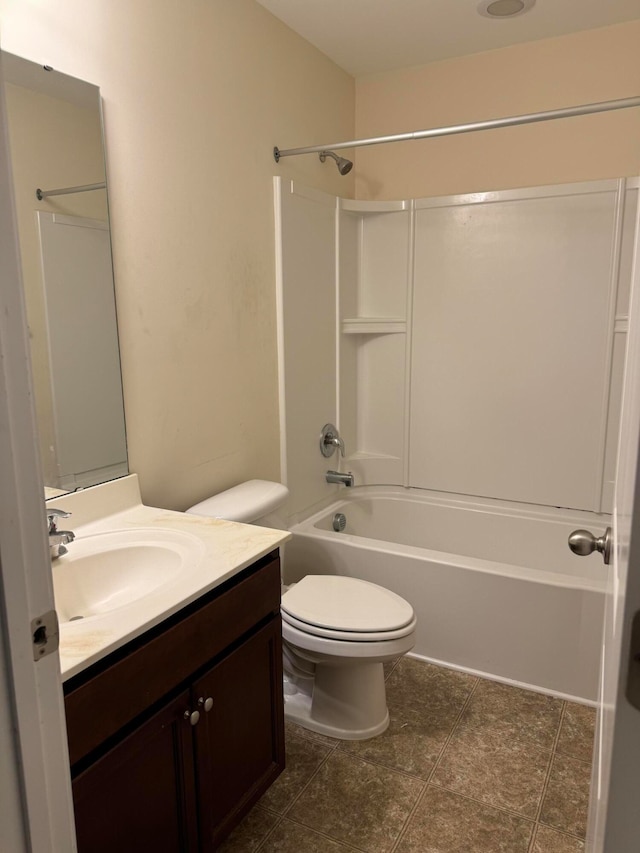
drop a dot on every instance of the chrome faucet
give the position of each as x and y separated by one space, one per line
58 538
337 477
330 441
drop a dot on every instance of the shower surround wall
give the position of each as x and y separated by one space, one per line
470 345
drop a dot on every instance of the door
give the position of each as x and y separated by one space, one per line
614 820
35 788
242 697
141 794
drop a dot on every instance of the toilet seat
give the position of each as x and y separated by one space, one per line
348 636
333 651
347 609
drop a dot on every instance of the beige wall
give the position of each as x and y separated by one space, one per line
196 94
590 66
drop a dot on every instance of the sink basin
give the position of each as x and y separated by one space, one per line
107 571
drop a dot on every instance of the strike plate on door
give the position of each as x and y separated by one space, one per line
633 673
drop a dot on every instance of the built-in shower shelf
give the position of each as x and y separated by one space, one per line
374 326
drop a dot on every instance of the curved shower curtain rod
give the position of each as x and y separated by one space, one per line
530 118
85 188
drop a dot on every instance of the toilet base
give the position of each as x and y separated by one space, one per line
348 703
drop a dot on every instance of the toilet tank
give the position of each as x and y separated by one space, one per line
253 502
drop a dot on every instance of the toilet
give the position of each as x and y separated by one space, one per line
337 631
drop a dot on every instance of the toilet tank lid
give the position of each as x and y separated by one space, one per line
245 502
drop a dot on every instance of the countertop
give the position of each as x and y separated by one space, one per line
225 549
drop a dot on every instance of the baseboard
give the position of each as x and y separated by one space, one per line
534 688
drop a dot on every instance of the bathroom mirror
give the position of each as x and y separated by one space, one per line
57 155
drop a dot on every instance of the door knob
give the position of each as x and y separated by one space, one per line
207 703
583 543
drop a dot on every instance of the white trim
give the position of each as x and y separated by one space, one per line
408 346
75 221
282 409
27 588
549 191
614 820
374 326
614 276
622 324
363 206
310 193
336 312
523 685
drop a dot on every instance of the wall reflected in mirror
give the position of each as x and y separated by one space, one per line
56 146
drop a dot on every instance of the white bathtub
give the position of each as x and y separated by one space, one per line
495 588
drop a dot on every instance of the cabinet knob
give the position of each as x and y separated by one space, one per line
208 702
192 716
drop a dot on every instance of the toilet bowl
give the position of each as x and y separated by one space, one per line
337 631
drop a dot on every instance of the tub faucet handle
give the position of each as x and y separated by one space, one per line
329 440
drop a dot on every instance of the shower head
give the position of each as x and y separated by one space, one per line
344 166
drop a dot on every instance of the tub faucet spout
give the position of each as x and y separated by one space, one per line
337 477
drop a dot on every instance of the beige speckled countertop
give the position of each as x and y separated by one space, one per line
225 548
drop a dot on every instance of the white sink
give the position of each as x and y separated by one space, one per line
107 571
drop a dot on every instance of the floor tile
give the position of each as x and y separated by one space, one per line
299 731
291 837
423 686
504 773
566 799
550 841
303 757
246 837
515 713
338 796
357 803
577 732
424 703
389 666
412 743
448 823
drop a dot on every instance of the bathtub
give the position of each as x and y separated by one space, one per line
494 586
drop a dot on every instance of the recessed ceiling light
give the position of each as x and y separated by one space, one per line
504 8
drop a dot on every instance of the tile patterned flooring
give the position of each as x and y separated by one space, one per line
466 766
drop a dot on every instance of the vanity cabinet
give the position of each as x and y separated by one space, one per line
140 794
173 738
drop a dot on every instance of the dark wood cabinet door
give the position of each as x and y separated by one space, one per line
141 794
240 740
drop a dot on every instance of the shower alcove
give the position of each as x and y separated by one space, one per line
470 349
471 345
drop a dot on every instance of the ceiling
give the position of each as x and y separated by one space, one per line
365 36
